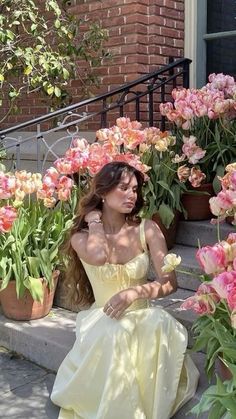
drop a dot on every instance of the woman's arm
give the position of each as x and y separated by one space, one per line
165 283
91 245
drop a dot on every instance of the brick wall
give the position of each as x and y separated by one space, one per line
143 34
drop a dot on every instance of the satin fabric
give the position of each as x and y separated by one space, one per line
133 368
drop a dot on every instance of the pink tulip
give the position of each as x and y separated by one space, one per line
215 206
49 202
212 258
65 182
52 173
5 194
63 194
224 283
123 122
80 143
196 177
224 199
8 215
203 302
231 298
166 108
65 166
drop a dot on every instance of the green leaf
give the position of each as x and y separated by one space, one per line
35 287
57 91
34 266
166 214
50 90
28 70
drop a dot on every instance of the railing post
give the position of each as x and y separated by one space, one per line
150 106
186 74
163 94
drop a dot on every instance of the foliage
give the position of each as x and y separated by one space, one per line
41 46
33 225
215 303
207 116
36 212
166 178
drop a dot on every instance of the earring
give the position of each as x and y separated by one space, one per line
103 200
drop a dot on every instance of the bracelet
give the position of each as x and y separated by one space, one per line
95 221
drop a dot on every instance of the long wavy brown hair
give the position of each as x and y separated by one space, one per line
79 287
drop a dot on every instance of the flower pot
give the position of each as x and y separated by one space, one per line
26 308
197 206
169 233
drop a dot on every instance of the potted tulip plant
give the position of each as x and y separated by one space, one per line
35 213
167 174
215 303
206 119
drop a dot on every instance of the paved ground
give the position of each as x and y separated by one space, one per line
25 388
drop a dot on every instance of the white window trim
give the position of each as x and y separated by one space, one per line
194 43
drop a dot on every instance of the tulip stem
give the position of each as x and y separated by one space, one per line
186 272
218 230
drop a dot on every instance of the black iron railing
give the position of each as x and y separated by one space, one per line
40 139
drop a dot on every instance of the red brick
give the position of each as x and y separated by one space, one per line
179 43
173 13
140 58
115 40
170 4
116 31
113 79
134 8
137 18
114 21
173 33
129 49
134 28
95 6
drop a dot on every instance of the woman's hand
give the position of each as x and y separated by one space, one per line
119 302
93 215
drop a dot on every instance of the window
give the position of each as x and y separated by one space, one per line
221 37
210 38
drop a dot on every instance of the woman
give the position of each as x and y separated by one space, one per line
128 360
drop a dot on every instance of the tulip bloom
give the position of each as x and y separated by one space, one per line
212 258
8 215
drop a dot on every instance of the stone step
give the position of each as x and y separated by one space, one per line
46 341
193 233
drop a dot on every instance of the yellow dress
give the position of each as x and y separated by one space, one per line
132 368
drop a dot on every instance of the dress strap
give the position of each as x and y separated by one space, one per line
142 235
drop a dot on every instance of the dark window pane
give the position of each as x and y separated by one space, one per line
221 56
221 15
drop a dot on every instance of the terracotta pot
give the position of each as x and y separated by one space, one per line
169 233
197 206
26 308
223 371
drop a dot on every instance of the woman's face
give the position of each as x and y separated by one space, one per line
124 196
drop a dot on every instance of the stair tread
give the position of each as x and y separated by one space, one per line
203 232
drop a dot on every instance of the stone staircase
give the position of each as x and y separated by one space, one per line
46 341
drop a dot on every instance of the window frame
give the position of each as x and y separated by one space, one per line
196 38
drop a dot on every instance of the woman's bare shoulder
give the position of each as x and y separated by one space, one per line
152 230
79 239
